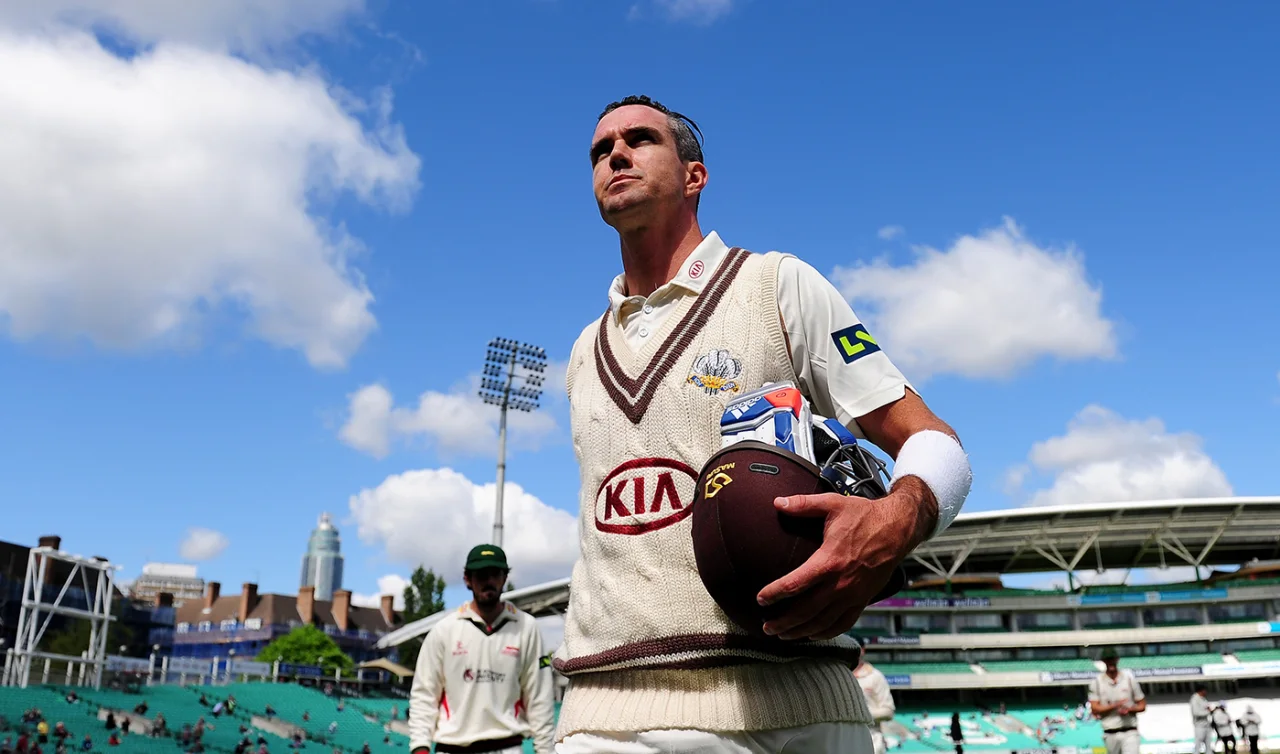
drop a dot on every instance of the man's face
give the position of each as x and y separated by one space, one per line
1111 665
486 585
637 172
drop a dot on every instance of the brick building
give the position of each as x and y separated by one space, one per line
248 621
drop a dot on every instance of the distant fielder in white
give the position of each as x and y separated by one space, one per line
1116 698
875 687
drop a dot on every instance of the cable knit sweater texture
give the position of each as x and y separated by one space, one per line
645 646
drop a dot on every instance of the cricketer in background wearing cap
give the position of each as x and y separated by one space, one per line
1116 698
482 683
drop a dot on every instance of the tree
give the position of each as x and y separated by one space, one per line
307 645
74 638
423 596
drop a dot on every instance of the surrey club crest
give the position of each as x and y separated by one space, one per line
716 372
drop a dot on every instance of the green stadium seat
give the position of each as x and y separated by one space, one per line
1170 661
1009 666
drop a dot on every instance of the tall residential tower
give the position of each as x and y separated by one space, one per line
322 565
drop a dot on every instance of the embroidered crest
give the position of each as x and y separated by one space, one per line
716 372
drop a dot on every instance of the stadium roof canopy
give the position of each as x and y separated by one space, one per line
1194 532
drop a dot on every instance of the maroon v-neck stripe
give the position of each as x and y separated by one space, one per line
633 394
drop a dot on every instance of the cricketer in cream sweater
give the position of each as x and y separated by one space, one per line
481 684
653 664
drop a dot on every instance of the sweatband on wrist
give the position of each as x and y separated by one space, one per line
938 461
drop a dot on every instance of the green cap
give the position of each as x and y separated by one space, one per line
1109 653
486 556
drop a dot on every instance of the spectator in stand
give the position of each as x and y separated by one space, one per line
231 704
113 739
957 733
6 746
1251 727
87 743
217 709
111 720
262 746
60 732
269 712
204 701
23 742
365 749
125 722
42 731
141 709
395 712
333 727
61 748
159 727
306 716
72 698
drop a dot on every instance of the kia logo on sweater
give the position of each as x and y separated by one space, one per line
644 495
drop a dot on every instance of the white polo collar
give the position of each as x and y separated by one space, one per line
692 276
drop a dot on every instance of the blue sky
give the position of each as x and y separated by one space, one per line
249 261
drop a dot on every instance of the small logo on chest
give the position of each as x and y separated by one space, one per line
644 495
459 650
716 372
510 650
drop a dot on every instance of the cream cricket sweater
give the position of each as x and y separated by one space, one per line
645 646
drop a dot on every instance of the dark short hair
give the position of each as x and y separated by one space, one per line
688 146
1201 687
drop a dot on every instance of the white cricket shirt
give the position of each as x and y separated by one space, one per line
815 317
476 682
1125 688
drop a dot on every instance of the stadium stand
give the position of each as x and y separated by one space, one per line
1005 666
908 668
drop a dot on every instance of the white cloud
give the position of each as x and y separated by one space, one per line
432 517
234 24
1104 457
147 200
202 544
456 423
553 387
986 307
696 11
391 583
890 232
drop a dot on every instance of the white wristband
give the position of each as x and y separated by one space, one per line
939 461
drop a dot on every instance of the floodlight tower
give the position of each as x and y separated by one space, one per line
507 362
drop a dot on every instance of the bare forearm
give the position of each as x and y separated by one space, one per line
918 509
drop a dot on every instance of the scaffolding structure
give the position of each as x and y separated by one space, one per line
89 582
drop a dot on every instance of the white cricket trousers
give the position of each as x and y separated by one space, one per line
1203 744
821 738
1122 743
